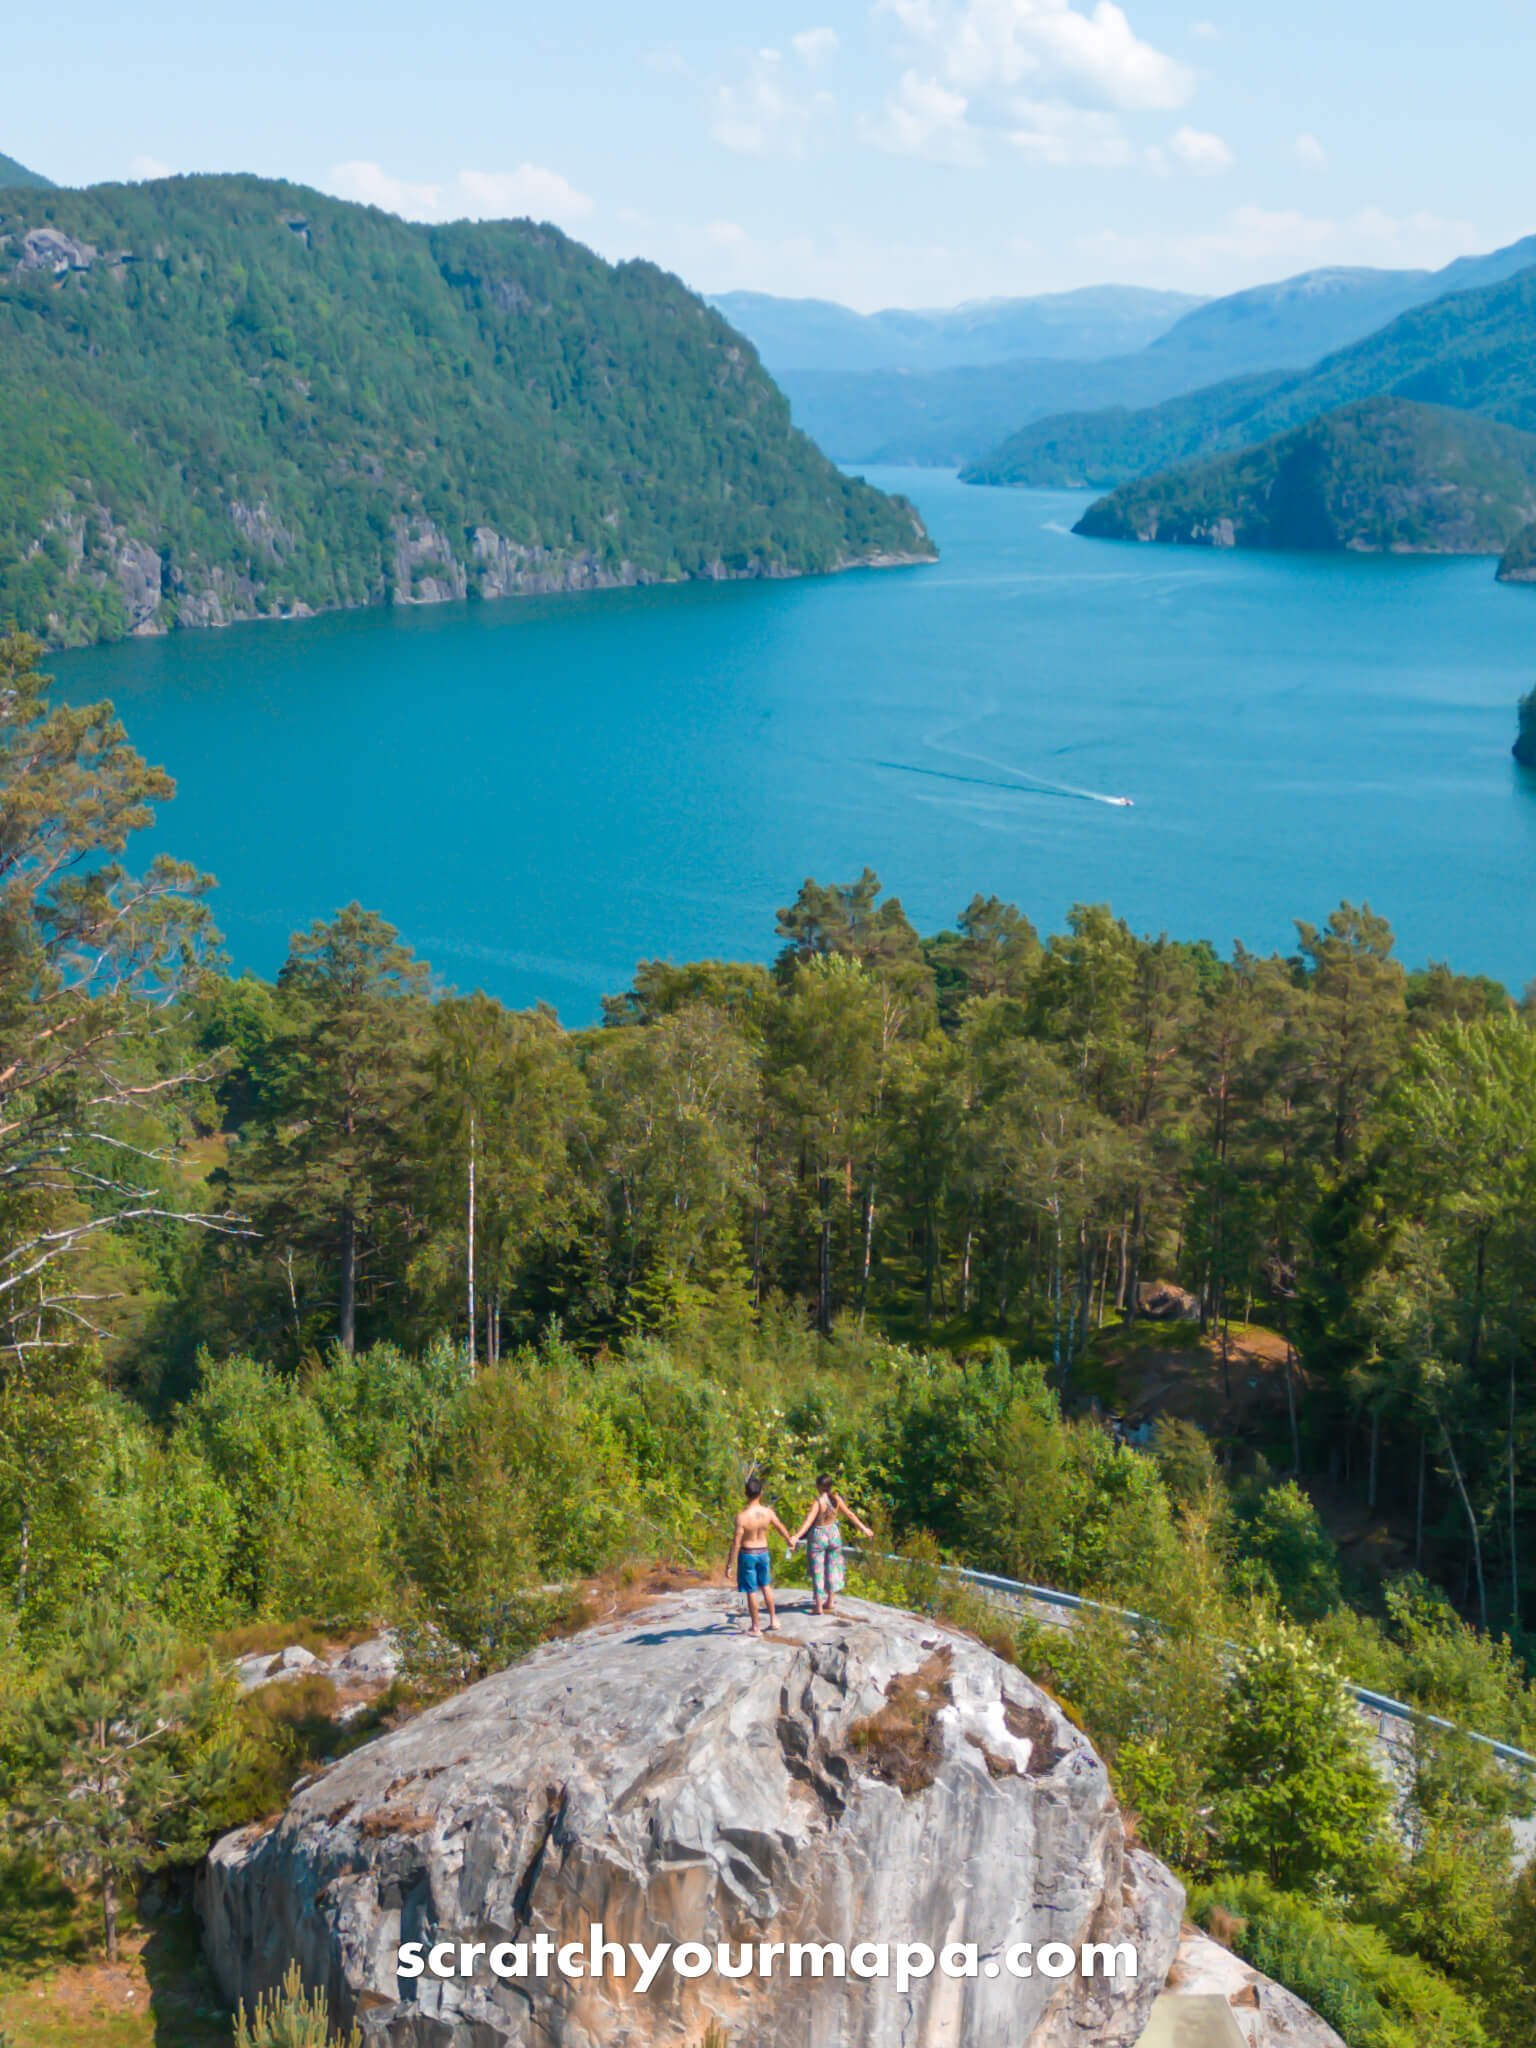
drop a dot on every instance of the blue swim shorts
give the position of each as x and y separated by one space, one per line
753 1571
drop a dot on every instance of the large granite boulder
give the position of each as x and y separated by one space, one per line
871 1778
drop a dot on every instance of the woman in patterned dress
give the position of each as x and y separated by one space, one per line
822 1534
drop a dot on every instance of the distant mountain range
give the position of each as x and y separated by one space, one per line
1472 350
956 415
15 174
816 334
1384 476
228 397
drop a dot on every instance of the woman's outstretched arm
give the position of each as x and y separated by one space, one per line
857 1520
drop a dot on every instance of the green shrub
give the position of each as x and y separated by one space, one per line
1278 1531
1347 1973
1297 1788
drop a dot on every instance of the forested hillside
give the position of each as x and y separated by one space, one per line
342 1300
227 397
1384 476
1472 351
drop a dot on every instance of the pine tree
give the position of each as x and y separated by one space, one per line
326 1173
119 1765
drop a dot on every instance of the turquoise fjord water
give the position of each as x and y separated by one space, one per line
541 792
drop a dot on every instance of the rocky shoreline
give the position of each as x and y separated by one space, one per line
159 595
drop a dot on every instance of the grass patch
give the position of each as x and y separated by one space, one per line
158 1995
901 1744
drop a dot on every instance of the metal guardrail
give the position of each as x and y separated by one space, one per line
1377 1702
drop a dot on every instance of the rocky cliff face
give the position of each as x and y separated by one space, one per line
871 1778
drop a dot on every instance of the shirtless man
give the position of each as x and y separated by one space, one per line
749 1554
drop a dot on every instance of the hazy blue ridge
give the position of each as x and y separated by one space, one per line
818 334
1472 349
912 413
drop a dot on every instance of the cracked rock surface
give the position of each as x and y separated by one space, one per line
673 1779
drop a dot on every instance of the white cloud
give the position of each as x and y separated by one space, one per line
1206 32
815 46
475 195
1252 244
1050 48
149 167
1072 136
1052 77
771 110
927 119
1200 151
1309 152
727 234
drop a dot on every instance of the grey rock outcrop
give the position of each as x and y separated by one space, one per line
1265 2014
48 249
361 1672
873 1778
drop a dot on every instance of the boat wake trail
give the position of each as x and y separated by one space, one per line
1026 785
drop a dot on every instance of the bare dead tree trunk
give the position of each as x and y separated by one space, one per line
469 1246
1514 1530
1133 1269
1371 1470
869 1248
348 1280
824 1257
1418 1520
1290 1403
1477 1541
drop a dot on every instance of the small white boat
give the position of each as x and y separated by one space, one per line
1126 803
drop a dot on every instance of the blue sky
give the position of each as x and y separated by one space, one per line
881 152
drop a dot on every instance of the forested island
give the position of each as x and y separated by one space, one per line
341 1300
230 397
1383 476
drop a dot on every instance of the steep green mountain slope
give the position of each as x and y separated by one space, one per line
227 397
818 334
1474 350
1386 475
955 416
13 173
